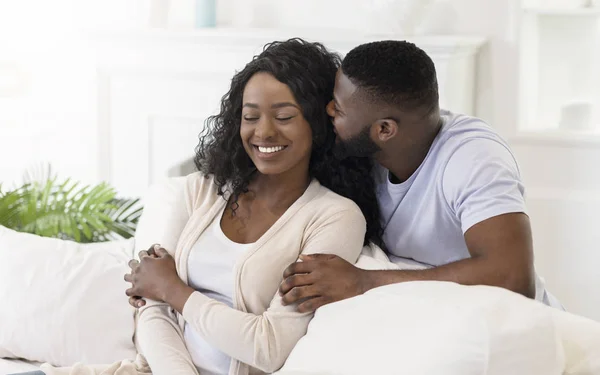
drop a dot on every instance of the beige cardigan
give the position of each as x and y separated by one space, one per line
259 332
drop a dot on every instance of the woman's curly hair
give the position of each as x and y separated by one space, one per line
309 70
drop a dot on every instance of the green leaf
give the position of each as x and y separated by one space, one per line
65 209
86 230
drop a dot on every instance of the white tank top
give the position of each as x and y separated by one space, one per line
210 271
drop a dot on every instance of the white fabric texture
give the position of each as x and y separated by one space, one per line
429 328
210 271
59 297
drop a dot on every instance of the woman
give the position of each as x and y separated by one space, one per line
268 191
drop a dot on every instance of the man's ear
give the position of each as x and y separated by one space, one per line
385 129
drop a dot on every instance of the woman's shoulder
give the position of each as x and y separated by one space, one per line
329 202
199 189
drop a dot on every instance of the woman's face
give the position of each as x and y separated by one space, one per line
274 132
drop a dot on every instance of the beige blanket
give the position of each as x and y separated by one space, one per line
126 367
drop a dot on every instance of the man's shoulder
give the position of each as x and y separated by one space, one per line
465 136
458 129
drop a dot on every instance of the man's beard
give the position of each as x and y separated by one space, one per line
359 145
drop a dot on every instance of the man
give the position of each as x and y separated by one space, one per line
449 187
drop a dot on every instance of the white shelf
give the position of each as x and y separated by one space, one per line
567 12
558 137
558 66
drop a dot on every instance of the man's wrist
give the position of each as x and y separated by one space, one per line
371 279
366 282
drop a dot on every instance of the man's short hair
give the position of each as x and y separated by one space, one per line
394 72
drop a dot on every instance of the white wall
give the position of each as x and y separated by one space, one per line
56 105
49 114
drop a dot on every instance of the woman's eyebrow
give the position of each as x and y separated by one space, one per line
284 104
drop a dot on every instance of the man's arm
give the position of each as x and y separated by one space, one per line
501 255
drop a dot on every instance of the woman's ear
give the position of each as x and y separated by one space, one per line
385 129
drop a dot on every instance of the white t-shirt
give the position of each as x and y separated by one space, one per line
468 176
210 270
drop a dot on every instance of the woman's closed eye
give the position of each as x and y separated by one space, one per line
284 118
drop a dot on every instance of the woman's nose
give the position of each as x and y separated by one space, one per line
265 128
330 109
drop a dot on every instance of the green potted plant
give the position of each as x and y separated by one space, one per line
49 207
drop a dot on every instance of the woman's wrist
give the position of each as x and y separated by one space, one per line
177 294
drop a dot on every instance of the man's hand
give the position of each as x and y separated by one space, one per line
321 279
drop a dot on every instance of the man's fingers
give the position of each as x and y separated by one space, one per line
294 281
133 263
305 257
130 293
298 294
142 254
311 305
128 277
299 267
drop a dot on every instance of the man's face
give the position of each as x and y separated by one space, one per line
351 120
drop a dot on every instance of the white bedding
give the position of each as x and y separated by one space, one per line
12 366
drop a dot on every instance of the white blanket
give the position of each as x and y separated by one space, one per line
431 328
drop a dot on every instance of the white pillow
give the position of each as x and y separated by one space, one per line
63 302
164 216
429 328
580 338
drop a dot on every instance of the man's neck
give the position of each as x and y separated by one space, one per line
403 162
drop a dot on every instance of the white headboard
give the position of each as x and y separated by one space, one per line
156 88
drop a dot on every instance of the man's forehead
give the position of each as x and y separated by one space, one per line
344 87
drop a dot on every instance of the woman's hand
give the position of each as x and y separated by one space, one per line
152 277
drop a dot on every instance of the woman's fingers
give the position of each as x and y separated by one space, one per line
128 277
136 301
152 250
133 264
